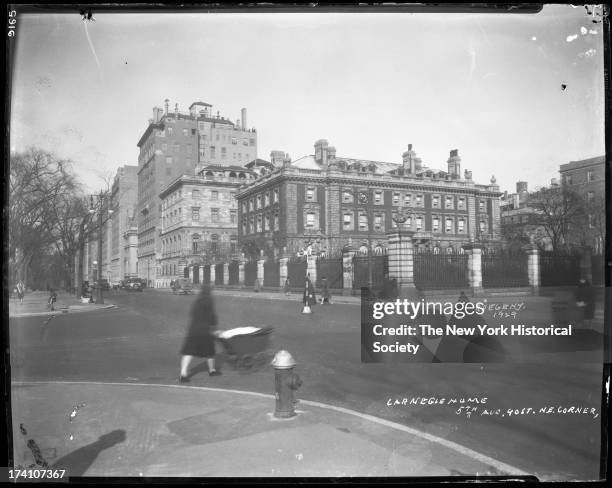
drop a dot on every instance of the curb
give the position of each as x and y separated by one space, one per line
61 311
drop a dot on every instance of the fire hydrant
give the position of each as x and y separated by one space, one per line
286 382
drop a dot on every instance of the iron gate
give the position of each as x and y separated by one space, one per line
296 271
558 268
361 270
234 273
440 271
504 269
271 273
250 273
219 268
331 268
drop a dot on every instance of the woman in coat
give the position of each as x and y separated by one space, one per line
200 339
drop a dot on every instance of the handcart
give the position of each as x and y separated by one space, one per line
246 346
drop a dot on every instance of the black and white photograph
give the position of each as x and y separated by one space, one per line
306 242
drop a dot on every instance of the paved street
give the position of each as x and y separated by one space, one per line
138 342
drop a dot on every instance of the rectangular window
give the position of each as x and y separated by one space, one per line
267 199
232 216
169 160
267 222
396 198
449 202
276 224
185 132
435 201
223 153
245 142
177 148
164 146
363 222
378 222
214 214
310 220
483 226
419 200
259 205
461 204
275 195
348 221
435 224
407 199
481 205
449 225
590 196
310 194
234 141
170 131
193 131
195 194
461 226
212 152
378 197
214 195
589 176
252 142
195 214
347 196
259 223
419 223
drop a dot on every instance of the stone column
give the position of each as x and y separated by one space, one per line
586 265
283 272
401 261
311 268
241 273
474 252
225 274
260 271
212 274
347 270
533 267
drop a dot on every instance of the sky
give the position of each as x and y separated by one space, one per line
489 85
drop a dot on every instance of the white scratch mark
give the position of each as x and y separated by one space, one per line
572 38
534 38
583 31
593 31
93 50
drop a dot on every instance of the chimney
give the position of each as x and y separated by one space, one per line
286 160
331 153
156 114
176 111
166 101
409 161
467 175
454 164
554 182
516 200
276 158
243 118
321 151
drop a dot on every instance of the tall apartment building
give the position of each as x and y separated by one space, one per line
123 202
325 201
176 144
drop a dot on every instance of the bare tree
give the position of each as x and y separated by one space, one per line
37 181
558 210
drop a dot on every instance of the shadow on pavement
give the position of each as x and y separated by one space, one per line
79 461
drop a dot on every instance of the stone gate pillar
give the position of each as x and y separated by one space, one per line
401 261
283 272
311 268
347 270
586 265
241 273
213 274
533 267
225 274
260 271
474 252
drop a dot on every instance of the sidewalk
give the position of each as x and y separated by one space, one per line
97 429
35 303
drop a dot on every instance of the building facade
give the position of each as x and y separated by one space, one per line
322 202
587 178
176 144
123 202
200 219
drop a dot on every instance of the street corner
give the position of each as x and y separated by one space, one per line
112 429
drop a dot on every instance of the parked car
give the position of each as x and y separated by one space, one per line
132 284
182 286
116 285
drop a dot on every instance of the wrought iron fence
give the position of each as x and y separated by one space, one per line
505 268
196 274
330 268
219 268
206 274
440 271
362 262
296 271
271 273
250 273
559 268
234 273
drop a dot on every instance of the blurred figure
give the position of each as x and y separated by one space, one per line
20 291
52 299
585 299
325 293
463 297
287 286
309 298
200 339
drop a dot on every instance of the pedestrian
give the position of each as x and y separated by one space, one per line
256 286
287 287
325 293
90 291
20 291
585 299
463 297
52 299
309 298
200 339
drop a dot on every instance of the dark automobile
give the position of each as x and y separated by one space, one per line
132 284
